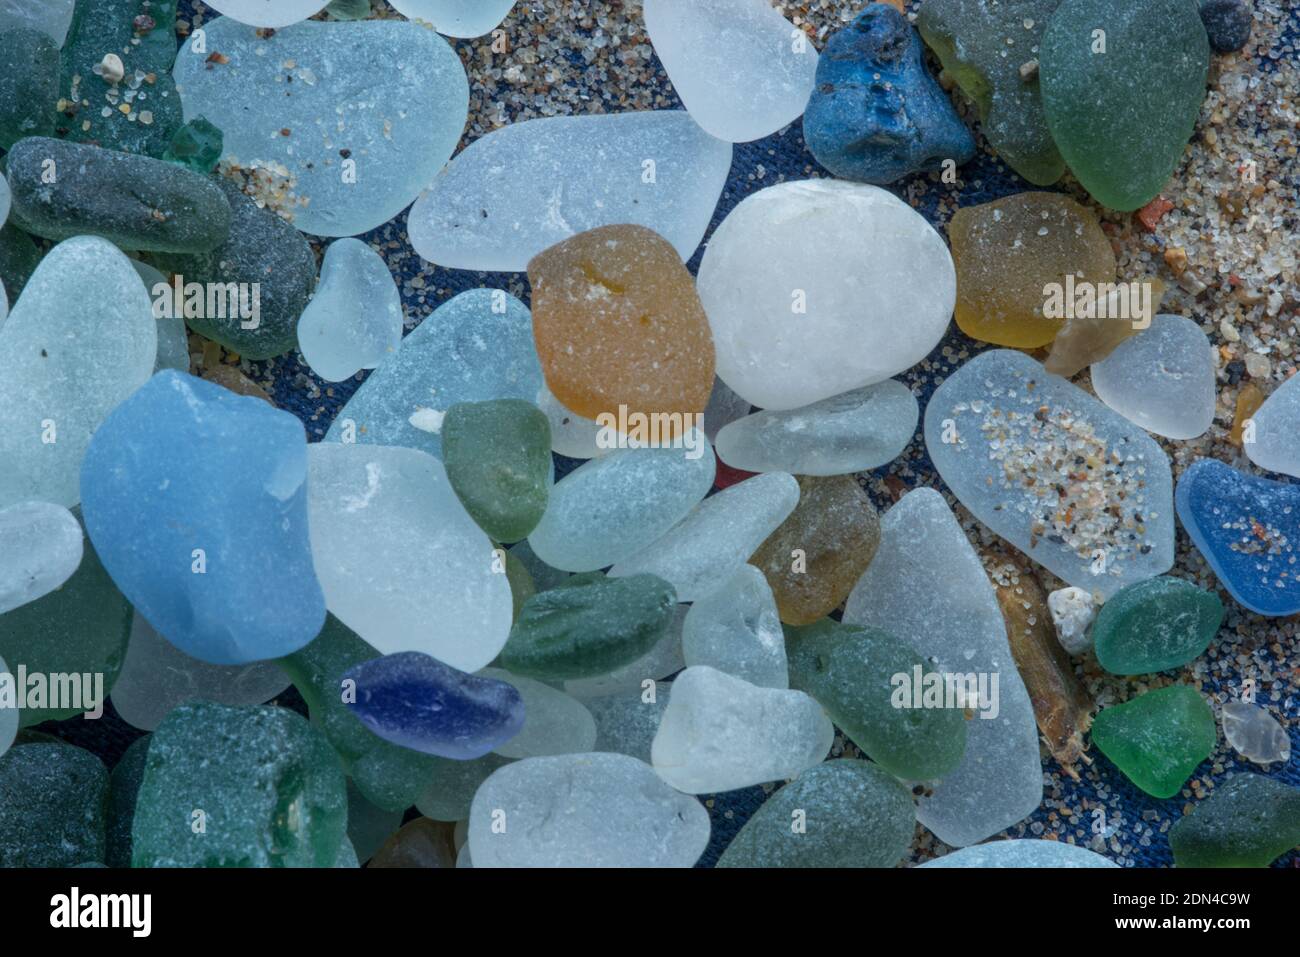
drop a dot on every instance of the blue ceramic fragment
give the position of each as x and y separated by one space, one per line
414 700
876 114
196 501
1248 529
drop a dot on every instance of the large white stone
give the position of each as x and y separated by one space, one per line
354 321
391 95
819 287
399 559
705 549
1162 378
612 507
527 186
927 586
80 339
859 430
41 545
741 69
157 677
1270 437
456 18
554 723
584 810
720 733
737 629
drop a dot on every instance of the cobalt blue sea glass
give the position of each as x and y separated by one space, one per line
1248 529
415 700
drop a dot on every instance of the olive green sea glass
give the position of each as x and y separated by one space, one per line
1123 82
498 459
1249 821
1157 739
849 669
991 47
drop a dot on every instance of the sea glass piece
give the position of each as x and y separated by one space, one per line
662 660
420 703
584 810
277 797
1158 738
456 18
157 677
79 630
40 548
572 435
619 327
852 814
1247 528
474 347
1123 71
400 560
1228 23
419 843
355 319
178 480
123 792
815 557
588 626
453 784
1275 424
61 375
173 337
850 671
256 284
498 460
990 48
196 146
959 629
1155 625
53 806
736 629
29 87
133 201
554 723
998 431
626 722
742 70
9 715
1254 733
1022 853
139 112
720 733
708 546
876 114
353 118
1248 821
269 13
611 507
1162 378
1093 332
51 17
809 288
1009 252
853 432
526 186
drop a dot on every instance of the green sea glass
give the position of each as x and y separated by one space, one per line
848 670
1157 739
1123 82
498 459
837 814
1249 821
29 85
1155 625
53 801
252 786
991 47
